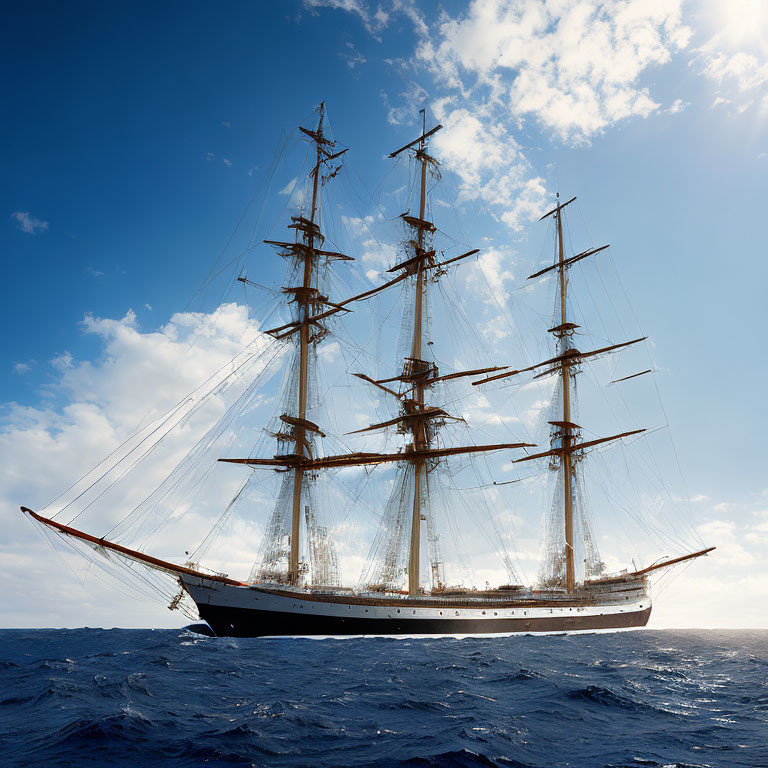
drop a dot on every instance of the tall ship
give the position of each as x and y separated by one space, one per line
296 586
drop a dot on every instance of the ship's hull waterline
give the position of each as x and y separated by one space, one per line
255 612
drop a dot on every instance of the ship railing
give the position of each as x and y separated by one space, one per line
522 601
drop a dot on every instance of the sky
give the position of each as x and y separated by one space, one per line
138 138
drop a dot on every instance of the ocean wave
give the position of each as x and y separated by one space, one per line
516 677
596 694
163 699
462 758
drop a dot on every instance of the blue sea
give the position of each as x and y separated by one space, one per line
93 697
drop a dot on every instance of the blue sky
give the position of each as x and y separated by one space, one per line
136 134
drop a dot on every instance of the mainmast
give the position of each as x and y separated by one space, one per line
420 436
566 426
418 375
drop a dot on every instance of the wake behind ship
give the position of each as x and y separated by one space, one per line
296 588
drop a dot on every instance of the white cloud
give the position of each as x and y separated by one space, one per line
727 535
295 191
29 224
227 162
677 106
743 70
226 124
372 22
734 578
481 413
97 273
288 188
21 368
330 352
369 250
492 275
352 56
62 362
358 226
574 68
719 100
410 101
139 375
378 254
489 163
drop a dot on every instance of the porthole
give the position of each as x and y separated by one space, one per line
398 610
495 614
483 613
457 613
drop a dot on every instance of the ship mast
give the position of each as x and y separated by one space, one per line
303 300
567 434
297 430
564 446
420 437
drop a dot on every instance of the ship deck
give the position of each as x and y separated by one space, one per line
612 589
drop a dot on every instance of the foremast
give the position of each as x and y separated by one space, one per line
296 428
305 298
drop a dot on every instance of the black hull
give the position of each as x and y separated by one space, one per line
246 622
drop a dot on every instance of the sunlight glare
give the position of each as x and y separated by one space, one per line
740 24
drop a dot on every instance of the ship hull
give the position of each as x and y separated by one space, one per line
253 612
244 622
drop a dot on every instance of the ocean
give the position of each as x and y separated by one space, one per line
94 697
